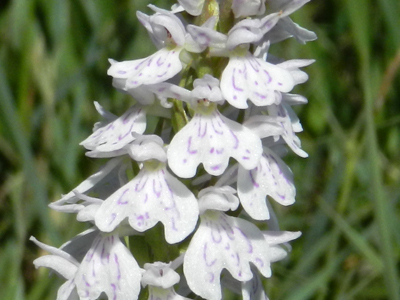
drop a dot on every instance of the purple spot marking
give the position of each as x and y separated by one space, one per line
216 167
260 96
120 200
279 83
121 72
234 82
253 181
118 266
212 150
236 139
114 290
216 239
157 193
208 264
247 240
269 77
113 216
260 262
189 145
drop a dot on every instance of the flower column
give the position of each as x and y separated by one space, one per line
206 172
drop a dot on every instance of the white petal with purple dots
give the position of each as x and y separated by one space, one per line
271 177
222 242
288 133
211 139
152 196
117 134
250 78
108 267
159 67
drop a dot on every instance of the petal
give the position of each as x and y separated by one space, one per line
288 133
162 65
58 264
104 177
67 291
108 267
252 78
223 242
246 8
118 133
159 274
193 7
211 140
271 177
218 198
150 197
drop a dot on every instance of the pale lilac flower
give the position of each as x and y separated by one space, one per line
110 140
153 195
246 8
108 267
222 242
103 183
160 278
169 34
271 177
286 27
211 139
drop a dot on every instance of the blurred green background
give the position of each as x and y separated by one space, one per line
53 63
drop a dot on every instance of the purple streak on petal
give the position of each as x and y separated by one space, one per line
211 276
212 150
269 77
228 246
216 239
253 181
236 139
113 216
220 151
157 193
120 200
141 184
246 239
114 291
216 167
234 82
118 266
260 262
208 264
160 62
86 282
260 96
149 62
189 145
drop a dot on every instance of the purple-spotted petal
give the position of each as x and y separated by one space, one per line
159 67
288 133
271 177
152 196
252 78
222 242
117 134
108 267
211 139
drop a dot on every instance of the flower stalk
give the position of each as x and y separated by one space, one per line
198 203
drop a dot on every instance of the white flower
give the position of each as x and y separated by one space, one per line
286 27
247 77
160 278
110 139
246 8
103 183
285 118
211 139
222 242
271 177
169 34
153 195
107 267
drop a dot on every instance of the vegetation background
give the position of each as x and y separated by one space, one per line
53 63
